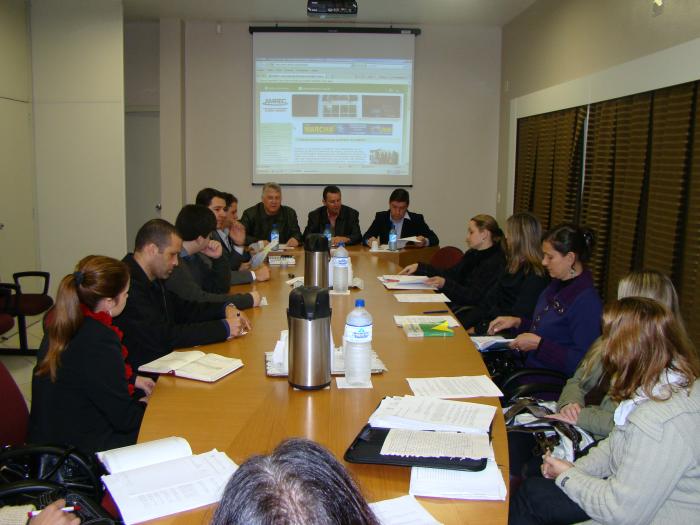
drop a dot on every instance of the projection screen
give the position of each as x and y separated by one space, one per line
333 108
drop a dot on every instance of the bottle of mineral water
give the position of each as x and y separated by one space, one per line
392 238
328 234
341 260
358 345
274 234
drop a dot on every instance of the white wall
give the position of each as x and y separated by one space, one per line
557 54
17 235
77 48
455 125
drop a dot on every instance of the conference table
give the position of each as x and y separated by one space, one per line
247 413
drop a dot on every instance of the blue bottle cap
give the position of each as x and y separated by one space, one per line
359 303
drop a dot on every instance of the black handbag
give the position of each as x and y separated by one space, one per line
66 468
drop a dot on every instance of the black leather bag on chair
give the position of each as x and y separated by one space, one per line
61 467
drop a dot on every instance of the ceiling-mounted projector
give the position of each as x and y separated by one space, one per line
331 8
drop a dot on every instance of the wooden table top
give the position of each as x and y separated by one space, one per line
248 413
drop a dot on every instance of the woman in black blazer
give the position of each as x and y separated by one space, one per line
83 392
467 282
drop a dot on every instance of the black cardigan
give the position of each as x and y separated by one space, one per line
89 405
467 282
155 321
514 294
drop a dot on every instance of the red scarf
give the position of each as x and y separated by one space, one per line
106 319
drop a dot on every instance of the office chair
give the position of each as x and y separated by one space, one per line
446 257
541 383
20 305
6 319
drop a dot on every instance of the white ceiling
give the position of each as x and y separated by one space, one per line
413 12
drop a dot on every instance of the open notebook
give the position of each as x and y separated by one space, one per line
193 364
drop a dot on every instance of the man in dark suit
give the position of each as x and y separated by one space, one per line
231 234
406 224
343 220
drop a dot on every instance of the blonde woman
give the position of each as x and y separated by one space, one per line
648 469
518 288
467 282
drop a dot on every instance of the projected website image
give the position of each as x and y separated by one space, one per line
335 118
331 133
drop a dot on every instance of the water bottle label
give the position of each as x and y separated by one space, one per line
340 262
358 334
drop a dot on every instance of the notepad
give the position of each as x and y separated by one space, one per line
488 343
487 484
405 282
413 330
159 478
193 364
404 510
400 320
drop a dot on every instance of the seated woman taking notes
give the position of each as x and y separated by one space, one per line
83 393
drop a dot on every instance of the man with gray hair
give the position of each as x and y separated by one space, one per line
260 219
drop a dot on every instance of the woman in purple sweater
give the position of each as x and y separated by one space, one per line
567 317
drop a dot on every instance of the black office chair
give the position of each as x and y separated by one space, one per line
20 305
541 383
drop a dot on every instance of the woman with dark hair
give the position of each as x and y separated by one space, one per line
300 483
566 319
467 282
518 288
83 392
648 469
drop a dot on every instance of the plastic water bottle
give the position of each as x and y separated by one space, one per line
328 234
358 345
392 238
274 234
340 269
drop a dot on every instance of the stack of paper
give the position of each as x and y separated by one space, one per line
454 387
420 444
425 413
405 282
281 260
487 484
402 511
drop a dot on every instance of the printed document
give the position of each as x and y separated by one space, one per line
417 443
454 387
422 298
404 510
427 413
487 484
401 320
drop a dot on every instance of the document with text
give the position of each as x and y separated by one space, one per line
454 387
417 443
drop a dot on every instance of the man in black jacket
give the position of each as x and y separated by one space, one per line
231 233
155 321
269 213
344 221
203 273
406 224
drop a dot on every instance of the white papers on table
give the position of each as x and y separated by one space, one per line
454 387
295 281
405 282
281 260
404 510
422 298
410 239
401 320
486 484
381 249
485 342
426 413
172 486
416 443
144 454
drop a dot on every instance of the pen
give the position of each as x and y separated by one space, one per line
435 312
64 509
